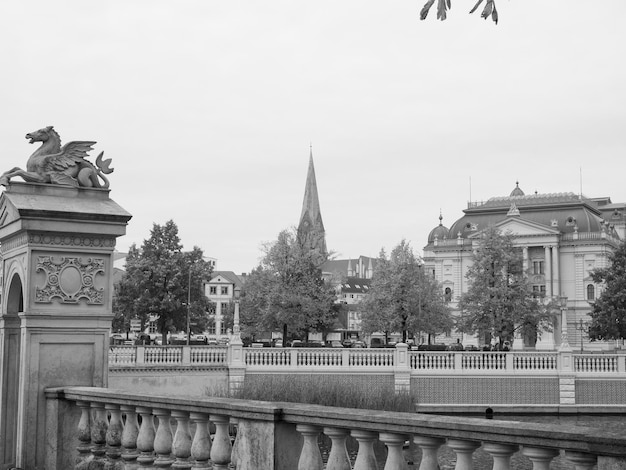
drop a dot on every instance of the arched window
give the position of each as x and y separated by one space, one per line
591 292
448 294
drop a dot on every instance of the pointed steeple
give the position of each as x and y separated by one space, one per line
311 233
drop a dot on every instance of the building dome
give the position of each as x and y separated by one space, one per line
439 232
517 190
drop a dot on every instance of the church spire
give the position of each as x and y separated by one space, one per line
311 233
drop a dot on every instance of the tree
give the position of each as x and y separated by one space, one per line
159 279
499 298
286 292
403 298
489 10
608 316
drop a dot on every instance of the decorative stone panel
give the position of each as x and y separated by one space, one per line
486 390
59 239
70 279
14 242
599 391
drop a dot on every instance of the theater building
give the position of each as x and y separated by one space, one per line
563 236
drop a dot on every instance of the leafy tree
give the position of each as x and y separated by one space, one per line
286 292
499 298
403 298
158 280
608 316
489 9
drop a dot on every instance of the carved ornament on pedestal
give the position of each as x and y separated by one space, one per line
70 279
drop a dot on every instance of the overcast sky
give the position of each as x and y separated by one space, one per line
208 108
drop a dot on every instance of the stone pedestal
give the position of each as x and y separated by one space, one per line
57 244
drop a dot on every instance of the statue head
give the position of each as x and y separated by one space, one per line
42 135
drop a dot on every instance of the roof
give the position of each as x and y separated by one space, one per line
355 285
340 266
229 276
439 232
565 212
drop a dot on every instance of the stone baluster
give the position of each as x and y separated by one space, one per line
464 451
129 436
98 435
234 455
581 460
338 458
501 454
201 444
221 449
145 439
395 457
114 438
540 457
365 458
310 456
430 446
181 446
84 435
163 439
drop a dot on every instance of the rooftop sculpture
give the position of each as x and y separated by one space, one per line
66 165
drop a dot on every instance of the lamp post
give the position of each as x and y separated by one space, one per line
188 305
581 328
564 342
236 329
189 302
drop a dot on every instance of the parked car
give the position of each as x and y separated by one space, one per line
296 343
359 344
347 343
455 347
278 343
432 347
335 343
471 347
116 339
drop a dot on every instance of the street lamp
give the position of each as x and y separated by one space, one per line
188 305
581 328
189 302
564 343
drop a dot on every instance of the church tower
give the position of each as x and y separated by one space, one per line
311 233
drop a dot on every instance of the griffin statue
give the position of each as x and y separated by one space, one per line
66 165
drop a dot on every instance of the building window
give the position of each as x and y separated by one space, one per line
211 329
224 290
212 290
224 308
591 292
537 267
448 294
223 330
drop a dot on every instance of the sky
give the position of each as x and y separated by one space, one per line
209 110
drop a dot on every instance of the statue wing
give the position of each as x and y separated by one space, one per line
71 154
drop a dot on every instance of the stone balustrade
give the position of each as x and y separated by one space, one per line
99 428
328 358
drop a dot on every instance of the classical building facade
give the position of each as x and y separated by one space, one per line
563 236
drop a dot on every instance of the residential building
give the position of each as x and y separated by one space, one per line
220 290
563 237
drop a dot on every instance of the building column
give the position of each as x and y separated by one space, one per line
525 260
548 271
556 279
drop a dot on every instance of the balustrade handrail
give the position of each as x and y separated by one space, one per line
574 439
491 362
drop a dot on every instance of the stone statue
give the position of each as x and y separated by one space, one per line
65 165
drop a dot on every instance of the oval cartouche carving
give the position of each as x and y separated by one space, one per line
70 281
